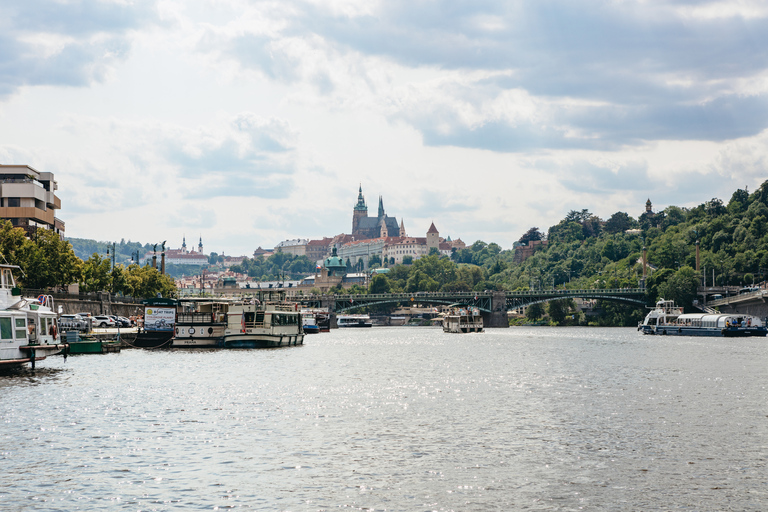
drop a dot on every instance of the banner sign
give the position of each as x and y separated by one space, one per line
159 319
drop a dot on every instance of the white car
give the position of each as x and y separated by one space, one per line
103 321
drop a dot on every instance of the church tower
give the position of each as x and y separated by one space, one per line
402 228
381 208
200 246
360 211
184 245
433 238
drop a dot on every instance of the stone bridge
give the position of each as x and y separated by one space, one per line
493 305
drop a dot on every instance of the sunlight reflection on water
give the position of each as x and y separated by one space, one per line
395 419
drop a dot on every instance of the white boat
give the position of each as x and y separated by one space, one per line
28 327
353 321
667 319
201 323
463 321
262 324
308 322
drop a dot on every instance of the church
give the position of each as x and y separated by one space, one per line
365 227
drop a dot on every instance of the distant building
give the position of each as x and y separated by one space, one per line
179 256
525 251
262 252
318 249
364 226
296 247
27 199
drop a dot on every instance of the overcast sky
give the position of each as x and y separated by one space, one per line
247 122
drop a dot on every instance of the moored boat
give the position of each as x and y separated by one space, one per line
353 321
201 323
308 323
463 321
667 319
266 322
28 327
159 323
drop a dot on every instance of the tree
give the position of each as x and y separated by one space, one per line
379 284
407 260
374 260
618 223
681 287
532 235
96 274
559 309
534 312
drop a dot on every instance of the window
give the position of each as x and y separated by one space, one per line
6 333
14 202
21 331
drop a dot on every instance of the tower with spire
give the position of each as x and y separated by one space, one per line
200 246
365 227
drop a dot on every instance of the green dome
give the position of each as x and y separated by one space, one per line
335 265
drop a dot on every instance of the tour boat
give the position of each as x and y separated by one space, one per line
202 325
667 319
353 321
308 323
263 323
28 327
463 321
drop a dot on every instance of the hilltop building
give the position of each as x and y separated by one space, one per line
27 199
393 249
364 226
180 256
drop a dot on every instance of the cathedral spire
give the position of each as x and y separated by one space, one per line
361 206
381 207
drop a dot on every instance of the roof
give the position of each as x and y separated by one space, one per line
432 229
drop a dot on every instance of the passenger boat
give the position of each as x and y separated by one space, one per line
201 323
28 327
353 321
463 321
667 319
323 321
263 323
308 323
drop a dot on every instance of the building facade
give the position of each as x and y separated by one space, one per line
363 226
28 199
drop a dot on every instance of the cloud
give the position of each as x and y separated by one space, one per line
73 43
599 74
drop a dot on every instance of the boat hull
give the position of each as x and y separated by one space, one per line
251 340
198 335
728 332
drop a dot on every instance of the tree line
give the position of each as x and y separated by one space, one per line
48 262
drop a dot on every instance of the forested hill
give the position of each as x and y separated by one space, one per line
84 248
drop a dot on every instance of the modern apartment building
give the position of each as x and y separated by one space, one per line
27 199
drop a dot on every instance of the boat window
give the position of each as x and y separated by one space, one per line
6 332
249 316
20 329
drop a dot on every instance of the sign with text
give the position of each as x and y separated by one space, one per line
159 319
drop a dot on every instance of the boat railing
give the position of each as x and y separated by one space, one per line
253 325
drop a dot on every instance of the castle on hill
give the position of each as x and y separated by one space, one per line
365 227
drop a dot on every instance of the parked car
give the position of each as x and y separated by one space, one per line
72 323
103 321
124 322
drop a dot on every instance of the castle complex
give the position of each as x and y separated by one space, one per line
377 237
364 226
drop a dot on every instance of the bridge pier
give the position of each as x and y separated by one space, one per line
498 315
330 303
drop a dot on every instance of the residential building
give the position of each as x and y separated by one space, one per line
28 199
296 247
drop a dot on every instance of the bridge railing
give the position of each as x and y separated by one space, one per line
471 295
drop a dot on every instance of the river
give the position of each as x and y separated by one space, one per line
396 419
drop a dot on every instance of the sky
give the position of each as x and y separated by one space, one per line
246 123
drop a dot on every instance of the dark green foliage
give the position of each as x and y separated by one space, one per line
275 267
